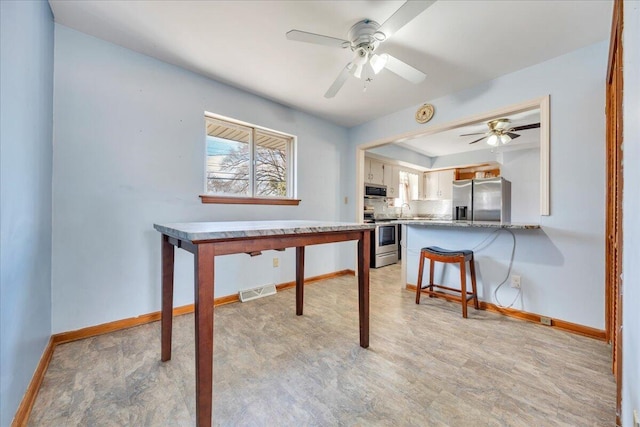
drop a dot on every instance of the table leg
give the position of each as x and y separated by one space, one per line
167 251
204 273
364 258
299 280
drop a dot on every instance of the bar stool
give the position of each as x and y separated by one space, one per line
434 253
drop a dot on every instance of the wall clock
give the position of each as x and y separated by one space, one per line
424 113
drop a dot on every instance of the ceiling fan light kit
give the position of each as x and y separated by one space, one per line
364 38
359 61
378 62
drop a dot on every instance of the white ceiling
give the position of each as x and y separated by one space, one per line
458 44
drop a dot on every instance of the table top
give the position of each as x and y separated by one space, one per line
467 224
198 231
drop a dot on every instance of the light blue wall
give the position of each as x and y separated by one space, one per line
566 259
630 208
129 152
26 84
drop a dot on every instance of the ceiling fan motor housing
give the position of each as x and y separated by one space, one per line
365 35
499 124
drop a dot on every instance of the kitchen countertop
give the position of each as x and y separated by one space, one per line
465 224
199 231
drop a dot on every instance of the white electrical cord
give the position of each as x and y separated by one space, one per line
495 291
480 246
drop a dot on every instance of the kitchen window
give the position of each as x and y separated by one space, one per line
247 164
408 189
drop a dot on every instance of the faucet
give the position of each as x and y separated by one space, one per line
402 208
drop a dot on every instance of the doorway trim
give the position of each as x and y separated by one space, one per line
542 103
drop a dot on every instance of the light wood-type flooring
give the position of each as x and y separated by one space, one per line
426 366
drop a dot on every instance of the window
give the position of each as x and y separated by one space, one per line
408 188
245 161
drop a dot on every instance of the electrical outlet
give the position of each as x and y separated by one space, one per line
545 320
515 281
276 262
636 418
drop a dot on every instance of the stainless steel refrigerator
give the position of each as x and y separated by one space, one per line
483 199
462 200
491 199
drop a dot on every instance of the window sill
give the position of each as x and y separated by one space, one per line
230 200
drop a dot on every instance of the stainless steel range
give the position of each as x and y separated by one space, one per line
384 244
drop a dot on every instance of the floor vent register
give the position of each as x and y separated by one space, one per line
262 291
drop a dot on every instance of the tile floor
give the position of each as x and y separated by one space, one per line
426 366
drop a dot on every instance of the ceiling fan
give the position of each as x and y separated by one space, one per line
500 131
364 38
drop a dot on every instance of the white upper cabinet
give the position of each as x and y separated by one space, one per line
373 171
445 182
439 185
377 172
390 179
431 189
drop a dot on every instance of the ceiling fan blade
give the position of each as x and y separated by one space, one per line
513 135
337 84
403 16
303 36
525 127
477 140
477 133
404 70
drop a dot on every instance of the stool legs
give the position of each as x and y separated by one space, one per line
472 268
431 283
463 286
419 284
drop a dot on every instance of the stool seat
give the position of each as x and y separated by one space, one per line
447 256
446 252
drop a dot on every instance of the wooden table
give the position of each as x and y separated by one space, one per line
206 240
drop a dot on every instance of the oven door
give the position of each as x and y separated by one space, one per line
386 238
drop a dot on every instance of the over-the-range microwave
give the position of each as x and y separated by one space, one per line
375 191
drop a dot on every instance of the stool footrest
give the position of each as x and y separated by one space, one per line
444 295
449 296
426 289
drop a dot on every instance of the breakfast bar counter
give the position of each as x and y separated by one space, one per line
425 222
497 246
206 240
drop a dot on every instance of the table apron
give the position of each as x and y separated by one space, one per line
264 243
